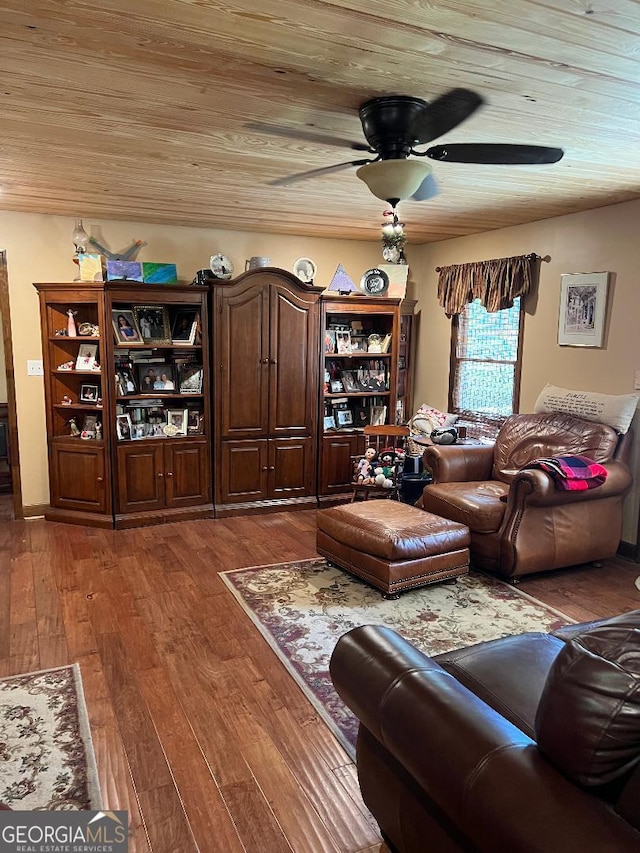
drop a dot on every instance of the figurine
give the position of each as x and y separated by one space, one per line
66 400
67 365
74 426
125 255
98 430
364 469
71 323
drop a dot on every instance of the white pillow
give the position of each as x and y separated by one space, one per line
615 410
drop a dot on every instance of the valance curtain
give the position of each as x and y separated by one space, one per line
496 283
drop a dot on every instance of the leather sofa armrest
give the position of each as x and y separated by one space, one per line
458 463
533 487
486 775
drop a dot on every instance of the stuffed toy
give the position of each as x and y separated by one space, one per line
364 474
385 470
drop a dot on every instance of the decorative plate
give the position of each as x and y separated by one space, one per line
221 266
305 269
374 282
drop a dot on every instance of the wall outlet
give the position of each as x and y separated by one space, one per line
34 368
636 381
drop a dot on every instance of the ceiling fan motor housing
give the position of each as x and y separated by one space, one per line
391 124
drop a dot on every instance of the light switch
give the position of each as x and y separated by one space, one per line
34 368
636 380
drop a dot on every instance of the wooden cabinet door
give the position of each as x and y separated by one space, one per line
337 462
78 477
245 470
291 467
293 360
186 473
141 481
243 363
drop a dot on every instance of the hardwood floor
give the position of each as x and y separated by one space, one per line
199 731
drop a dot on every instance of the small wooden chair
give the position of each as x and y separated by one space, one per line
380 438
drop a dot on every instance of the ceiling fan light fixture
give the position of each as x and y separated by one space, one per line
394 180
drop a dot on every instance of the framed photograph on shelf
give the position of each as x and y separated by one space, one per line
191 376
349 381
343 342
336 386
358 343
330 341
361 416
154 378
583 304
378 416
86 359
329 422
185 324
123 427
89 426
195 422
344 417
153 322
125 381
89 394
125 327
178 418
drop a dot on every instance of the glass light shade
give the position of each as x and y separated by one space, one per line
80 237
393 180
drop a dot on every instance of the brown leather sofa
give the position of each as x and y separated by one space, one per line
520 522
526 744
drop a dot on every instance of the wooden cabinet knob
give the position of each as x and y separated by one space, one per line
160 475
265 361
274 361
100 479
169 473
265 468
272 468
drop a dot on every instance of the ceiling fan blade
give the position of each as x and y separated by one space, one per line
445 113
495 155
306 135
427 189
315 173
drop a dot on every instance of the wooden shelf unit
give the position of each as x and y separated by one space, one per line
125 478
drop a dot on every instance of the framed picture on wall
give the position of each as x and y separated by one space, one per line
583 304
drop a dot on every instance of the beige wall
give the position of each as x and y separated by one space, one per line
39 248
597 240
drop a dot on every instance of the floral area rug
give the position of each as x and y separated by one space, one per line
302 609
46 755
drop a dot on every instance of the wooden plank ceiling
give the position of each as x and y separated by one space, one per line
143 109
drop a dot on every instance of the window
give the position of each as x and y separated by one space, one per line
484 382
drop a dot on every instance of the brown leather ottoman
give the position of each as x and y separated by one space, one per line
392 545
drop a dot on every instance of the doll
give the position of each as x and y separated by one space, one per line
364 469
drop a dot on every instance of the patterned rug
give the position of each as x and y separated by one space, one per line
46 755
302 608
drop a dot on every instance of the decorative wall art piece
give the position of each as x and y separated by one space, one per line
305 269
128 270
583 303
90 267
341 282
154 273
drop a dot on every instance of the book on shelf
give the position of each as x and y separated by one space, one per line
386 343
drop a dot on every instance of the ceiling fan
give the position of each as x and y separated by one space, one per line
394 124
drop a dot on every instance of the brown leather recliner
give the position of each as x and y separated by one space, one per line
526 744
520 522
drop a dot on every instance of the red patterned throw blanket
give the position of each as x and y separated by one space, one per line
574 473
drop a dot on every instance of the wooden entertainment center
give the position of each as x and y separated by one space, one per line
236 421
